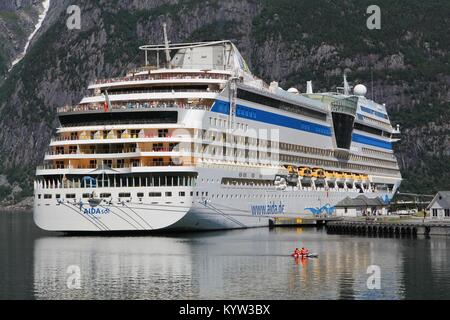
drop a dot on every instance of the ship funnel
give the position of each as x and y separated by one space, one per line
309 88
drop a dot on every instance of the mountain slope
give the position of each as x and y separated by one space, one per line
287 41
17 21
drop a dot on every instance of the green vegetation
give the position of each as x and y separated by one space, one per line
412 29
429 175
4 192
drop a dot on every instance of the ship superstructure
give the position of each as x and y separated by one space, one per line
197 142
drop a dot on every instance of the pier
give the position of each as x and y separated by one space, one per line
407 228
301 221
384 227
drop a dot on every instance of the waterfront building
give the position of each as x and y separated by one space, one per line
360 206
439 207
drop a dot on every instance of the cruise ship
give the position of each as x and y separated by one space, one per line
192 140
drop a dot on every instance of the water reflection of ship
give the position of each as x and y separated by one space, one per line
341 270
114 268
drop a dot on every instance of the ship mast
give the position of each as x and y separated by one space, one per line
166 45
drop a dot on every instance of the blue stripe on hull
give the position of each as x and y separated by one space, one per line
223 107
271 118
371 141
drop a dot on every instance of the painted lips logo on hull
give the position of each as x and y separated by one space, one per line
328 209
265 209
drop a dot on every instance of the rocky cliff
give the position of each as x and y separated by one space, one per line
17 21
405 65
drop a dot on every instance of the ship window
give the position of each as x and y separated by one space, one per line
107 118
125 195
140 195
368 129
274 103
86 195
70 196
154 194
58 196
163 133
168 194
181 194
39 196
105 195
343 127
47 196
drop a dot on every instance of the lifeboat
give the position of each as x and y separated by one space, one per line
349 179
331 179
306 175
365 181
319 175
358 180
340 179
292 177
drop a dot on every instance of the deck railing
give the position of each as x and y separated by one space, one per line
130 106
116 166
162 77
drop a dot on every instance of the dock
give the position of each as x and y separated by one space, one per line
408 228
301 221
369 226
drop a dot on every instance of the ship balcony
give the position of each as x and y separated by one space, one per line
63 141
118 154
125 168
152 91
143 105
136 77
116 136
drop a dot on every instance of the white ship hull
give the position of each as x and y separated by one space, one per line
202 144
216 207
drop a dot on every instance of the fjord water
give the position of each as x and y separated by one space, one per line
240 264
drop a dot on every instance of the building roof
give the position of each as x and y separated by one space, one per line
443 197
360 201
